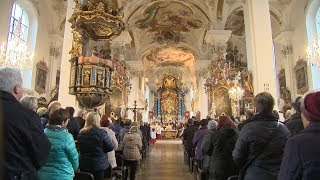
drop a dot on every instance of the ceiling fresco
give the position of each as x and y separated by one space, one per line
164 16
235 23
168 56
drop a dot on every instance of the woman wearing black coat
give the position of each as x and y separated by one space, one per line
219 147
94 143
261 135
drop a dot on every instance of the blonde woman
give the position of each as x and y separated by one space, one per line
94 143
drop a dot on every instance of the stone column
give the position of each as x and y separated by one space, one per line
133 96
260 55
218 39
284 40
64 97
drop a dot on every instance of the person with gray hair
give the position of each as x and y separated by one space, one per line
30 102
259 149
212 126
26 147
132 145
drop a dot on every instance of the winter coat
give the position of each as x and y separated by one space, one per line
294 123
93 146
26 147
80 121
197 141
252 139
123 131
219 145
132 146
116 129
301 158
112 154
73 127
63 159
187 136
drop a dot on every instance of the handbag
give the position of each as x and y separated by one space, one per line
244 169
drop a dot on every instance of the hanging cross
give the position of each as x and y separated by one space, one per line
135 110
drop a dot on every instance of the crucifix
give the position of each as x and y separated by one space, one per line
135 110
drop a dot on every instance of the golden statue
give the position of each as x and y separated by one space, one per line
76 44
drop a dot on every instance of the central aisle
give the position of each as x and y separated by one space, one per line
164 162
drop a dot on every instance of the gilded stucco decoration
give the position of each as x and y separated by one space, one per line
169 56
165 15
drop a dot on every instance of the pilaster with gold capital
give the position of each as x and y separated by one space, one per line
218 42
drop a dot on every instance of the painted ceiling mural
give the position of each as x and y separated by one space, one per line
164 16
168 56
235 23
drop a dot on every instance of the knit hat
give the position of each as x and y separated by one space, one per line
212 124
310 107
297 103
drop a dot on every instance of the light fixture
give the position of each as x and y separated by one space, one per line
15 53
313 53
236 93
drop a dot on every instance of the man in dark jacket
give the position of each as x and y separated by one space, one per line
25 146
187 136
73 126
294 123
254 147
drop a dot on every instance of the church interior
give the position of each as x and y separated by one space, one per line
162 60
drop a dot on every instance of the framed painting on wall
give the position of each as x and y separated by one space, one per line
301 74
41 77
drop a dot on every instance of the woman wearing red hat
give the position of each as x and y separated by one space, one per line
301 158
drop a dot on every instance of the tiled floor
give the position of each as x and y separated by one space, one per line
164 162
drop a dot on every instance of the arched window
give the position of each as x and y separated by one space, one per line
313 31
18 34
318 21
21 40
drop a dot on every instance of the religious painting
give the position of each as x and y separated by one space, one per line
86 76
235 23
167 15
285 94
100 79
222 102
115 105
301 76
41 77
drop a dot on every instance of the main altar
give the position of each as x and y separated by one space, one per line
169 104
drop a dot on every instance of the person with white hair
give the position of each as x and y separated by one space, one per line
30 102
26 147
131 150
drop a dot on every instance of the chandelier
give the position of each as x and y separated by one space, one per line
313 53
236 93
15 53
